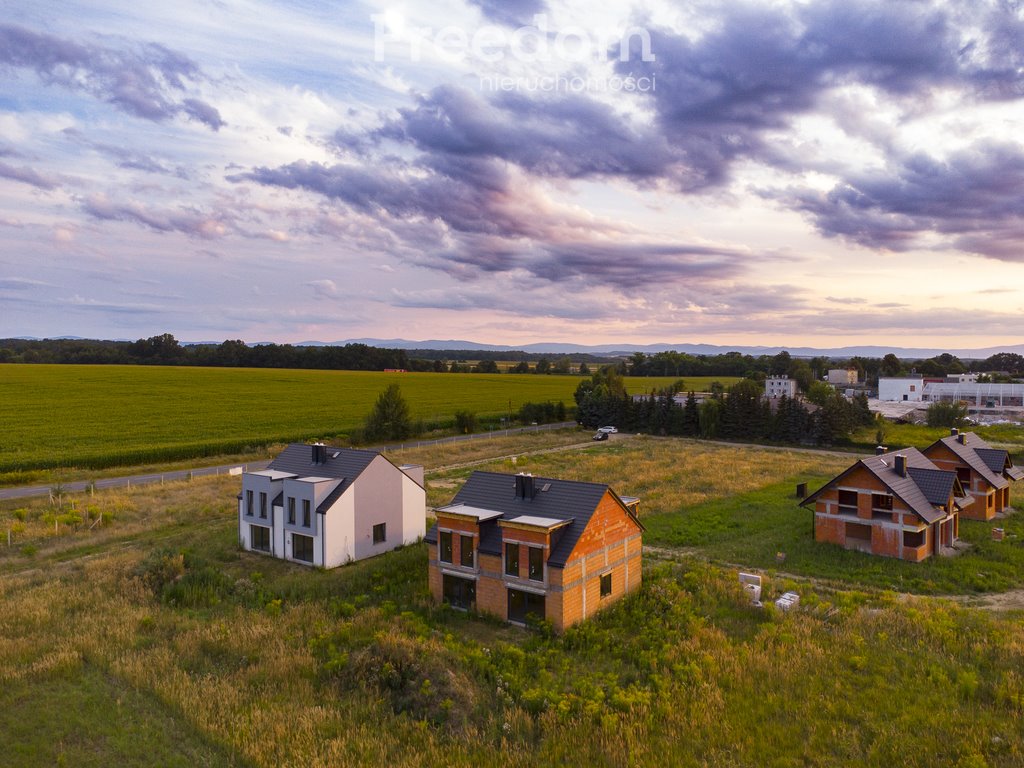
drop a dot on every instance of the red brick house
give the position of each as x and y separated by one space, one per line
985 472
516 545
897 505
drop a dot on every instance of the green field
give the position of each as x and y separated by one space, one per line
101 416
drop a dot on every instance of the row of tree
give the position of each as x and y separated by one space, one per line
740 412
166 350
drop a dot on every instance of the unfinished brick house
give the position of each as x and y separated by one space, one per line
985 472
519 545
897 505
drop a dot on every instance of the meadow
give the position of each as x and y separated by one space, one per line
103 416
152 639
1008 436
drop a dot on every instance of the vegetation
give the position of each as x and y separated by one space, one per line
179 649
102 416
389 419
741 413
947 414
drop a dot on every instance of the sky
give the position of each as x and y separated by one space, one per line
781 173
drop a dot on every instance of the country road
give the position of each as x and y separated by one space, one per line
22 492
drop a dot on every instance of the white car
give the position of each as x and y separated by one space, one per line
609 430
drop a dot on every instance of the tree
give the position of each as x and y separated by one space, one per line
543 366
584 369
389 419
819 392
891 366
521 367
465 422
487 366
947 414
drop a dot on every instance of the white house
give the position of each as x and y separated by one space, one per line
777 386
326 506
900 388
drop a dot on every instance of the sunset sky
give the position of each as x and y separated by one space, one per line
780 173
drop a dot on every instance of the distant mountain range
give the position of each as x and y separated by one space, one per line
693 349
624 350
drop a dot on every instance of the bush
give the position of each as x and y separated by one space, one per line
947 414
465 422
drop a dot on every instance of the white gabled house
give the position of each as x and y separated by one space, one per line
325 506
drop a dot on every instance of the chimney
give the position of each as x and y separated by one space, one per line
524 486
962 438
901 465
953 431
319 453
880 450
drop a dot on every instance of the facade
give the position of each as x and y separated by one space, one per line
518 545
325 506
986 473
842 377
896 505
901 388
777 386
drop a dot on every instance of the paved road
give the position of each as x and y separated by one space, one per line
186 474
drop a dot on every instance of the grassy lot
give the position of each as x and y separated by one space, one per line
1008 436
183 650
737 505
102 416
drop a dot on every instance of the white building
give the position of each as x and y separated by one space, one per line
842 376
777 386
901 388
326 506
962 378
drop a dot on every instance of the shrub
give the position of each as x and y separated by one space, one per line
465 422
947 414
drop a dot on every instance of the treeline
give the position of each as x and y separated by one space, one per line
739 412
166 350
805 370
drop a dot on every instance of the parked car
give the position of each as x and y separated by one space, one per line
607 430
601 436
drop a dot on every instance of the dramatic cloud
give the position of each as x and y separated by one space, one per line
146 82
976 195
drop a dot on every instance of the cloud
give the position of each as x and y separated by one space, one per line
972 197
146 82
27 175
513 13
21 284
324 289
192 223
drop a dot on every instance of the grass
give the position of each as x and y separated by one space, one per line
153 640
737 505
82 716
1008 436
103 416
278 665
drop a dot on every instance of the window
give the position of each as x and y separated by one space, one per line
248 503
848 502
302 548
606 584
913 538
523 604
466 551
259 538
305 513
445 547
536 564
459 593
881 501
512 560
291 510
379 533
263 505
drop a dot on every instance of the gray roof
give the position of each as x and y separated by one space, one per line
998 460
971 455
349 463
924 488
563 500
